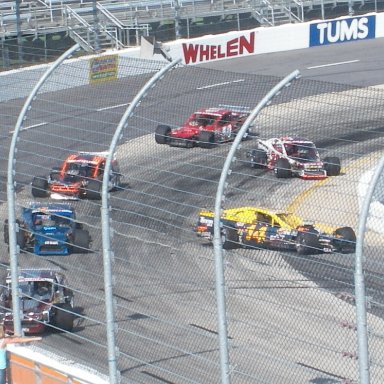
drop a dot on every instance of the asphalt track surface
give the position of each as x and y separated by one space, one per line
164 287
354 63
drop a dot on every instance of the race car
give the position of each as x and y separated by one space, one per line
45 300
80 176
50 229
293 156
262 228
205 128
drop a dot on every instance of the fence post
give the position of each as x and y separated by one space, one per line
217 241
361 302
105 220
11 194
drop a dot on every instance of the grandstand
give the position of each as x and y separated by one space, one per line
38 30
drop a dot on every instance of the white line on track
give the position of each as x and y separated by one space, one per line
30 127
112 107
220 84
333 64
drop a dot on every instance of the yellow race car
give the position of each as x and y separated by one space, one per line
262 228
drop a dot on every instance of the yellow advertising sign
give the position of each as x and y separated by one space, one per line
103 68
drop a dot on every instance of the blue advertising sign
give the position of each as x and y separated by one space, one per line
341 31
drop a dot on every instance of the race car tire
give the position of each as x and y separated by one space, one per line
332 165
246 135
345 241
230 238
6 232
20 238
55 174
235 132
258 158
206 139
116 185
64 317
40 186
162 134
307 243
93 190
283 169
81 241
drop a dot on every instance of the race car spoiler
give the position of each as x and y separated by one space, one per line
33 274
100 154
236 108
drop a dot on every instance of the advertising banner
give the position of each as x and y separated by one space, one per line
103 68
342 30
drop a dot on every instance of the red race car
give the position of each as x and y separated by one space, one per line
205 128
293 156
45 299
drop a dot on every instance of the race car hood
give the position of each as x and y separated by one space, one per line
186 132
57 233
68 182
30 307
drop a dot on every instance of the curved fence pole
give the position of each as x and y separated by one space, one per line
105 220
361 301
217 242
11 195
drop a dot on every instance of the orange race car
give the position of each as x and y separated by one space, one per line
80 176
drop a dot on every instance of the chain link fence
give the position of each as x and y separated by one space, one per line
291 318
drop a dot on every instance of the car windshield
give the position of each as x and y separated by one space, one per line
202 120
76 171
304 152
26 289
61 221
44 220
35 289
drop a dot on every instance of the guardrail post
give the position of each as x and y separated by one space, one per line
105 220
217 241
11 194
361 300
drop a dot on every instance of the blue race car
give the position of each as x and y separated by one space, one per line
50 229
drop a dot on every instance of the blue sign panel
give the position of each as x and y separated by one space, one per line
341 31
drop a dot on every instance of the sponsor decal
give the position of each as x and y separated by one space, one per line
340 31
238 46
103 68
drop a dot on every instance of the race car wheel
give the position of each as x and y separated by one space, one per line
93 190
206 139
258 158
20 238
345 241
307 243
20 235
332 166
64 317
116 182
6 232
81 241
40 186
283 169
230 238
162 134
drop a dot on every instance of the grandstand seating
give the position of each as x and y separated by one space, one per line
106 24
